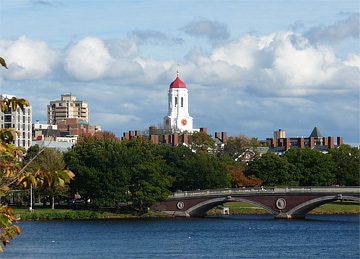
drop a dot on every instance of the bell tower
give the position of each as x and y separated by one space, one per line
178 118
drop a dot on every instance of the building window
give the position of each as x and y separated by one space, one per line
175 101
182 101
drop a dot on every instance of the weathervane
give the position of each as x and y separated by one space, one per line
177 70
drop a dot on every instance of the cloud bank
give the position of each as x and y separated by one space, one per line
295 76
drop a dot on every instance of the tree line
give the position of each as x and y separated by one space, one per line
112 173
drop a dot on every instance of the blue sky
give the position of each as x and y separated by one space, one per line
251 67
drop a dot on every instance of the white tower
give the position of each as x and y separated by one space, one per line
178 118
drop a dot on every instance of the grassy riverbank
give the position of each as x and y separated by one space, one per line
329 208
235 208
68 214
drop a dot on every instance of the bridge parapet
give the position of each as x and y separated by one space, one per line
267 190
283 202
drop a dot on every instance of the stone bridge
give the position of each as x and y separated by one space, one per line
284 202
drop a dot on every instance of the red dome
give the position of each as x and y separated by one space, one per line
177 83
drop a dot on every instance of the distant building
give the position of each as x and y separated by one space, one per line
76 126
67 107
314 141
44 131
19 120
279 134
178 118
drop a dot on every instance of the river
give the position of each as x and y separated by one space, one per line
250 236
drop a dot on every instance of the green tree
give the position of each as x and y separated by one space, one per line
273 170
347 165
148 181
192 171
235 147
47 173
101 174
313 167
201 142
112 173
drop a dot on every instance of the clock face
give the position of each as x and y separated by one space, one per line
183 122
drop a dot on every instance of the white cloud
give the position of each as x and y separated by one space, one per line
279 64
206 28
348 28
112 118
353 60
27 58
89 59
154 37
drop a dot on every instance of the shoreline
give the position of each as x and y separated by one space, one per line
44 214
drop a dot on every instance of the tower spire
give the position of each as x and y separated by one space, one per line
177 70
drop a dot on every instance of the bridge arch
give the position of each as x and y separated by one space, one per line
201 208
302 209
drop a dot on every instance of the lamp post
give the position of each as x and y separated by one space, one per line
31 199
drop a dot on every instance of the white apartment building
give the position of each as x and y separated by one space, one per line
67 107
20 120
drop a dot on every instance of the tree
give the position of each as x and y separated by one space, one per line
237 147
201 142
347 165
47 173
112 172
101 174
11 169
149 183
238 178
192 171
273 170
313 167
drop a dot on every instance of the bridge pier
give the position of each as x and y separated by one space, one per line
282 215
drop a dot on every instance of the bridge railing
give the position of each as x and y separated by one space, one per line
263 190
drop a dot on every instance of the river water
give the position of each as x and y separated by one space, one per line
254 236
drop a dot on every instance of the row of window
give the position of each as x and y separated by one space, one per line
181 101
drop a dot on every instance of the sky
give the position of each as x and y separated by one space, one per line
251 67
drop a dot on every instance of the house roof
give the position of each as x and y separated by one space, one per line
315 133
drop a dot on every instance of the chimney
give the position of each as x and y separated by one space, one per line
131 134
223 137
301 142
203 130
217 135
330 142
175 139
287 144
154 139
311 142
185 138
126 136
339 141
274 142
165 139
325 141
137 133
